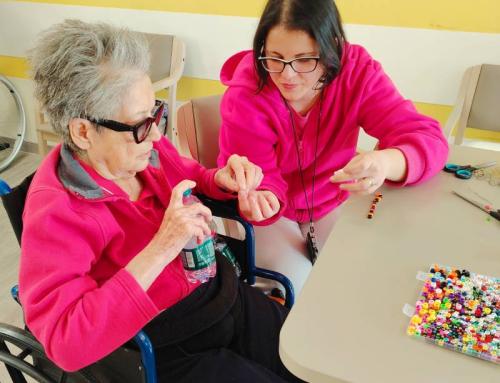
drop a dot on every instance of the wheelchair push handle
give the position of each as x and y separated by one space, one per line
4 187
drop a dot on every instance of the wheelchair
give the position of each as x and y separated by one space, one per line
133 362
10 99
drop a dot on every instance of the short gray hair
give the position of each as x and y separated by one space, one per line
84 69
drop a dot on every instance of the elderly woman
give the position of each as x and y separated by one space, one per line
104 223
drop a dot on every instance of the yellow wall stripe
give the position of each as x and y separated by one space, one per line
190 87
14 66
441 113
249 8
456 15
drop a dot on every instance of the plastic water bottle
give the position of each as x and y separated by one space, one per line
198 259
222 247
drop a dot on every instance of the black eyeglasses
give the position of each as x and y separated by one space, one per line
140 130
299 65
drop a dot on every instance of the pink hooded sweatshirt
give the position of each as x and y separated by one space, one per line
257 125
80 232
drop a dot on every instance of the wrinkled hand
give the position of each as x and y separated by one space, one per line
258 205
180 223
238 174
364 174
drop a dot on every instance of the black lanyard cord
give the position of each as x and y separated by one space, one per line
301 172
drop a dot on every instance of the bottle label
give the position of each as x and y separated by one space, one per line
199 257
224 249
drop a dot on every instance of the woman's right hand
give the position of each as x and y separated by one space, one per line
180 223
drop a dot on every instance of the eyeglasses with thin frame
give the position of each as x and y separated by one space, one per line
140 130
300 64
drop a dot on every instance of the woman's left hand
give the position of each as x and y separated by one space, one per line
367 171
239 174
258 205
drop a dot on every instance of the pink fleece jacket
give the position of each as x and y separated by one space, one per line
80 231
362 95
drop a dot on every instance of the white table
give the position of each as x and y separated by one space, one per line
347 325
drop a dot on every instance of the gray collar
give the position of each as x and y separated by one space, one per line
76 179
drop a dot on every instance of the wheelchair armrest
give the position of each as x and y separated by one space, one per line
229 209
283 280
147 356
223 209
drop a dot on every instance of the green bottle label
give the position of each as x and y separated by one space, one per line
226 252
224 249
199 257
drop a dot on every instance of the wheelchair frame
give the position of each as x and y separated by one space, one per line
15 364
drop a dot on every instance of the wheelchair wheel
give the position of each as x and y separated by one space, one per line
26 361
12 122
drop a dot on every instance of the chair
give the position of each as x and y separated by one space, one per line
168 53
477 102
167 65
198 125
129 363
44 131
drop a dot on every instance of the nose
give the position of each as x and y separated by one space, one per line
154 133
288 72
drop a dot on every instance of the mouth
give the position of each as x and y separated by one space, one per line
289 86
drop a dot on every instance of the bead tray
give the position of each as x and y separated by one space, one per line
459 310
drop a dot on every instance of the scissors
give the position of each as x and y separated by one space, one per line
486 208
465 171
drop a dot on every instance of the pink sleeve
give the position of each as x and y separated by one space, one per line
188 168
77 320
253 137
386 115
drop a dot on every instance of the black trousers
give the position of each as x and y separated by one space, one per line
225 331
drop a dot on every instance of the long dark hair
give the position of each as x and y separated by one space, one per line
319 18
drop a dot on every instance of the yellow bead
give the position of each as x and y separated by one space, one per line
416 319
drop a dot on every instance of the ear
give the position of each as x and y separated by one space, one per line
81 132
